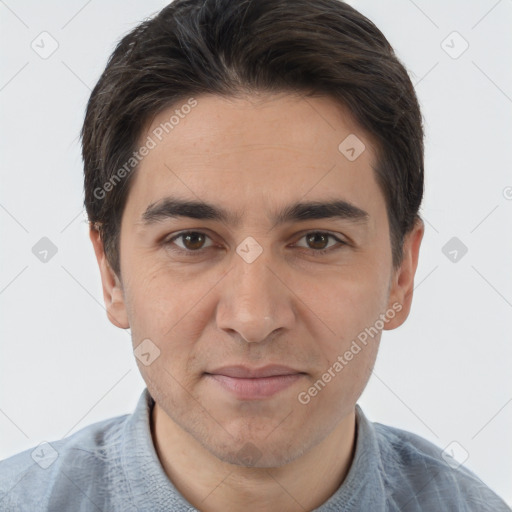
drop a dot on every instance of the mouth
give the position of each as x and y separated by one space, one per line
254 383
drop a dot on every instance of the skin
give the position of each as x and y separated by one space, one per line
253 156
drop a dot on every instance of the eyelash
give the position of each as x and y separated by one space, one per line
315 252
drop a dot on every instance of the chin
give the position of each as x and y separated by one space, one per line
260 453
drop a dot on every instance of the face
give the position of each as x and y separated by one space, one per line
284 260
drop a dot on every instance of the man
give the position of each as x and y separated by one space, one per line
253 176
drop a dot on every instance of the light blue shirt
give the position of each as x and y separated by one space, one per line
113 466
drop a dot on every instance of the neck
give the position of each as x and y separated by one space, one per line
212 485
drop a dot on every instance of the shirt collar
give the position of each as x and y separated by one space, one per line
149 484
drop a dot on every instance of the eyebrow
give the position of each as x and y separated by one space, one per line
170 207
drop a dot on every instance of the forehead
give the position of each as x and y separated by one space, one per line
267 149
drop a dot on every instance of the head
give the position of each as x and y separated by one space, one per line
253 176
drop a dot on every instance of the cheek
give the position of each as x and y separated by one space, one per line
350 309
354 306
346 301
162 303
167 309
333 391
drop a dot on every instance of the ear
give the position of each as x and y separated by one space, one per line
402 283
112 287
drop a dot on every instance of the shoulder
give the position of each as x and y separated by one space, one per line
421 475
30 480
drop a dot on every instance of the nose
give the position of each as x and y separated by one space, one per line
254 302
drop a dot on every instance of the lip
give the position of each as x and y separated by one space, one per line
254 383
244 372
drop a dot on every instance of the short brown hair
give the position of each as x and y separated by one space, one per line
229 47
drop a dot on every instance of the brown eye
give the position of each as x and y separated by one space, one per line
317 240
190 241
193 241
320 243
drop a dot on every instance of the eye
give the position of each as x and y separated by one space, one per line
190 241
320 243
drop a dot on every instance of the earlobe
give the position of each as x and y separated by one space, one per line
402 286
112 287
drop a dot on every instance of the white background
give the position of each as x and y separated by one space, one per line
444 375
